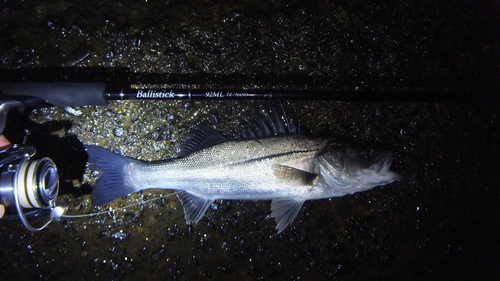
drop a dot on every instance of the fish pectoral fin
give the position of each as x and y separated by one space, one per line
293 175
284 210
194 206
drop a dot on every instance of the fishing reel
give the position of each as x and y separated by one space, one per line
28 184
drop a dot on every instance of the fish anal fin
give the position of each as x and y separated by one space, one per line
194 206
284 210
294 176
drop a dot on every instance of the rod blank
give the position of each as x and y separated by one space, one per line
229 94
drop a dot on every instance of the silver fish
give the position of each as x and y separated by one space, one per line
287 169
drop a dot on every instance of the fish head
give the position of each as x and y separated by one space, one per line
345 171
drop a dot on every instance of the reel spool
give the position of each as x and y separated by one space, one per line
30 184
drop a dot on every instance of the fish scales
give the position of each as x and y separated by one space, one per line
233 170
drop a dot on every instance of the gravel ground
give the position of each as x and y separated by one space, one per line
439 222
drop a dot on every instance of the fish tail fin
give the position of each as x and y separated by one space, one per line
111 182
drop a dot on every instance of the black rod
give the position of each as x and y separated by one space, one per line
43 94
238 94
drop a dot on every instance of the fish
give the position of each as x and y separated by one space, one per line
273 161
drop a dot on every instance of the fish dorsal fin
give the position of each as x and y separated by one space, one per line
194 206
200 137
284 210
294 176
268 123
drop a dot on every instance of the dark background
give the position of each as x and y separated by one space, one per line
439 222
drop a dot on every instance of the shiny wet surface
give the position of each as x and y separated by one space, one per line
439 222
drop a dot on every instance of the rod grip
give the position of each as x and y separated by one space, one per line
57 93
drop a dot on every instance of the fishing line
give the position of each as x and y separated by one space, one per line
117 209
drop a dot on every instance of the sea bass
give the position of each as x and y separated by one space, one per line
272 163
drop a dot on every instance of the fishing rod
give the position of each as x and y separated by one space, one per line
62 94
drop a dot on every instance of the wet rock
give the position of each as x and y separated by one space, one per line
158 254
53 240
79 54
